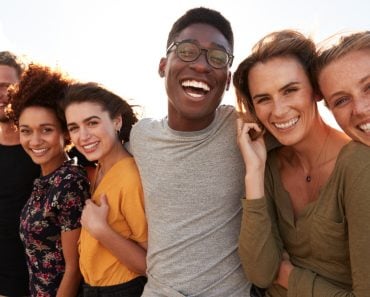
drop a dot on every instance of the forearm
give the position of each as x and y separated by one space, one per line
305 283
128 252
254 184
259 250
70 282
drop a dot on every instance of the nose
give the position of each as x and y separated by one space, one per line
36 139
201 64
279 108
84 133
361 105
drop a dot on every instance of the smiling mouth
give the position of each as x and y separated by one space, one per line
364 127
90 147
287 124
39 152
195 88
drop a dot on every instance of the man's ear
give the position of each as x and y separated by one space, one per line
228 82
162 67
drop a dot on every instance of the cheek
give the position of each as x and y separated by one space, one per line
23 140
342 116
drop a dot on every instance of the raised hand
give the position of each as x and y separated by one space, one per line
94 217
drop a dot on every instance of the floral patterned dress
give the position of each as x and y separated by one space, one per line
55 206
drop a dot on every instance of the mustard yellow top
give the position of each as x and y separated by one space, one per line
123 189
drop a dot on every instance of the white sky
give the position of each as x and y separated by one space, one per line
119 43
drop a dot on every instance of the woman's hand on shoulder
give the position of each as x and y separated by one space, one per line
94 217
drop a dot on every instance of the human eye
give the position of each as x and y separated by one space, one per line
261 100
47 130
367 88
92 123
341 101
217 57
24 131
72 129
187 51
290 90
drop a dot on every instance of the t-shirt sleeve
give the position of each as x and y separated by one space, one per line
134 211
73 192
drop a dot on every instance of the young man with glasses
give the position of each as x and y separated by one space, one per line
17 172
191 168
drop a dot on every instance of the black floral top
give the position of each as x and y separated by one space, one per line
55 206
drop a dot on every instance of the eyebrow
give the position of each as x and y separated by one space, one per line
197 42
42 125
362 80
293 83
85 120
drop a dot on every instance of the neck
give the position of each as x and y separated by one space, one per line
112 157
49 168
9 134
180 122
311 148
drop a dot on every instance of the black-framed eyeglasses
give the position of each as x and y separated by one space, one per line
188 52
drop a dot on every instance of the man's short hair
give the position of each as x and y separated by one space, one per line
202 15
9 59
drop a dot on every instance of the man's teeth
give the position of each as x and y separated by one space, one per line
287 124
196 84
365 127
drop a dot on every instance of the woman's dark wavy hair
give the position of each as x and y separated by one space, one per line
110 102
42 87
286 43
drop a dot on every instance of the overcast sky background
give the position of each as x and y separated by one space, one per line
119 43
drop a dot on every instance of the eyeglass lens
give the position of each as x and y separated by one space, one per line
189 52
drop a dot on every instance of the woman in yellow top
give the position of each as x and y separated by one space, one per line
113 239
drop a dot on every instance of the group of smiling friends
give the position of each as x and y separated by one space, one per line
265 200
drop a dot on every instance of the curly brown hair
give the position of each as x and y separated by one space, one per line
39 86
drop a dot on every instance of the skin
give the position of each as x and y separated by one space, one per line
42 138
187 112
41 130
285 104
345 84
93 132
8 133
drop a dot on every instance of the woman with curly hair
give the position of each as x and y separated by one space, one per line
50 220
113 239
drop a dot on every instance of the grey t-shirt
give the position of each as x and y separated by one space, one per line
193 184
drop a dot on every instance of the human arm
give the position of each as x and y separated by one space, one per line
352 231
72 277
128 252
260 245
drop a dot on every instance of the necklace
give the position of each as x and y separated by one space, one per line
309 176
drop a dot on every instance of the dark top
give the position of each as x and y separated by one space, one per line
55 206
17 172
